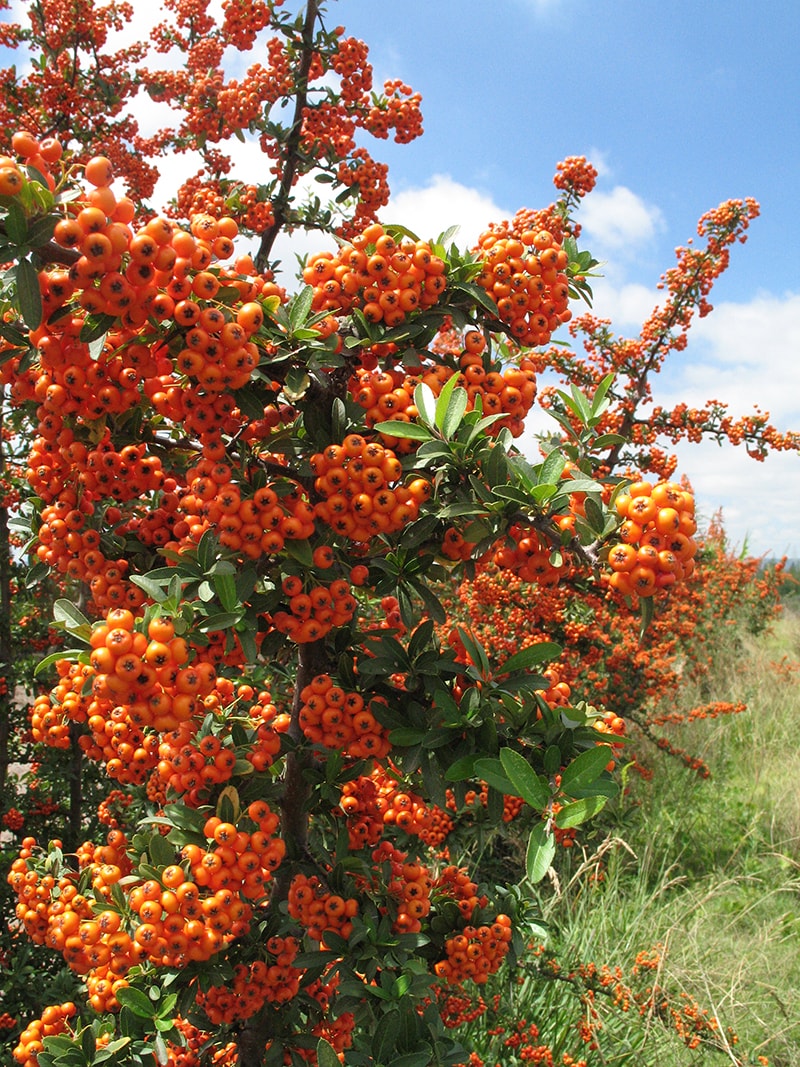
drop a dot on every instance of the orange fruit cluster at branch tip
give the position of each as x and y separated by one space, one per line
577 174
54 913
255 983
385 280
373 801
317 909
143 701
656 546
313 614
409 884
341 720
361 489
530 556
54 1020
255 525
191 912
524 276
476 952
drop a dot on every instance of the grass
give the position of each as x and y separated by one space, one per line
708 869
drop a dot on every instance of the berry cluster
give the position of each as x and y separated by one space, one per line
407 883
388 395
54 913
385 280
254 525
372 802
362 495
317 909
315 613
342 720
54 1020
524 276
453 883
656 546
255 983
526 554
475 953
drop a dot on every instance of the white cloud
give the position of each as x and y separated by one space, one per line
599 160
746 354
619 220
626 304
431 209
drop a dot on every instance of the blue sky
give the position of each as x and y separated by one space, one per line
680 105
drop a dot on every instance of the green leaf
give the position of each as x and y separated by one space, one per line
155 590
16 224
54 657
225 588
463 769
540 853
296 384
406 737
115 1046
12 333
250 403
579 811
223 620
585 769
300 307
598 400
326 1055
162 1052
529 657
410 430
425 401
161 852
432 603
95 327
552 468
207 547
41 230
137 1002
450 414
384 1041
524 778
475 650
511 492
64 611
594 514
491 772
607 440
29 294
57 1043
300 551
581 485
552 759
413 1059
37 573
480 296
646 603
338 419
